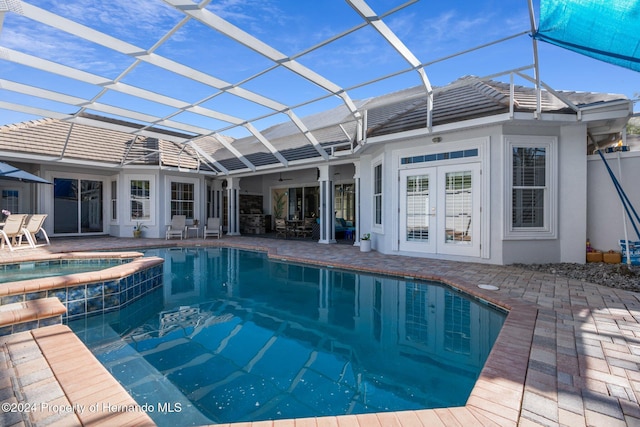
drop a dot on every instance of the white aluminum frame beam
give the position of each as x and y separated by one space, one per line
307 134
85 77
231 31
89 34
208 157
213 21
367 13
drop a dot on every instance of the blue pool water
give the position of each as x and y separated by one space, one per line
233 336
38 269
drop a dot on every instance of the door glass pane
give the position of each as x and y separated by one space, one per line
65 205
417 203
458 207
91 206
295 203
311 201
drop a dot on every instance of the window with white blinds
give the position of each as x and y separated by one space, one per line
528 186
530 176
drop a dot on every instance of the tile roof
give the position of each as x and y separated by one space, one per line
57 139
334 129
407 110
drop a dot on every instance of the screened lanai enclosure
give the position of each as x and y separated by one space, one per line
368 116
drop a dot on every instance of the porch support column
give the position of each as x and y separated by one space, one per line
216 199
327 215
356 184
233 213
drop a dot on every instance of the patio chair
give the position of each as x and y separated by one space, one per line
213 228
281 228
12 231
305 228
178 227
32 227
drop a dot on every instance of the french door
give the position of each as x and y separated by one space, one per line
440 210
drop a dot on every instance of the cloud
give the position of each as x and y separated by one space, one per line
130 20
60 48
253 16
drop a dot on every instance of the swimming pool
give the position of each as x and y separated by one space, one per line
233 336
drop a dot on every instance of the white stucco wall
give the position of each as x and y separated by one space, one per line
570 201
123 226
604 208
572 193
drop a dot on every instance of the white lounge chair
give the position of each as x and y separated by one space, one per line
178 227
12 231
32 227
213 228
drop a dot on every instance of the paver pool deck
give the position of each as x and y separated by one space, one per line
568 354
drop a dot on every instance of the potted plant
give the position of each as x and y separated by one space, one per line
365 243
137 229
279 203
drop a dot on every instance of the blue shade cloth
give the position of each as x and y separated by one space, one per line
608 30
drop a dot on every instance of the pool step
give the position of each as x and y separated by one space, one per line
27 315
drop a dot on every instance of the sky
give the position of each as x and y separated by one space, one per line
431 30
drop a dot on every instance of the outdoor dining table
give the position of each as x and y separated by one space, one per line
292 225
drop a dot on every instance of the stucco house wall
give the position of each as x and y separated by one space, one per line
122 225
568 207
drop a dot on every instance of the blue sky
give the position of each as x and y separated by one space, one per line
432 30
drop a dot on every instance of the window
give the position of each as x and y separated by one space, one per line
114 200
182 199
377 194
140 199
439 156
530 187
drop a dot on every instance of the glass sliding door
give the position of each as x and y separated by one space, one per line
65 205
311 201
77 206
303 202
345 201
91 206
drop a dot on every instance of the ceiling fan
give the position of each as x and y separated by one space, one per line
283 179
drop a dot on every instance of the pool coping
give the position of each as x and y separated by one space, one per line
549 366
